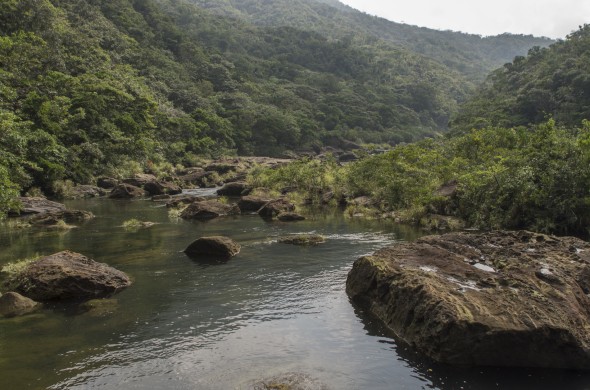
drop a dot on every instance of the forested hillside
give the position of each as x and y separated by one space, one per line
471 55
102 87
551 82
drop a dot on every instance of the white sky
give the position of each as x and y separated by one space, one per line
551 18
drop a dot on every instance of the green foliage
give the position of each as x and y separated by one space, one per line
551 82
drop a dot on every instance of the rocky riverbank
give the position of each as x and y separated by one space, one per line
497 299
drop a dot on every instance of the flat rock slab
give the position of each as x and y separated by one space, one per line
67 216
303 239
496 299
213 247
209 210
36 205
290 217
69 275
13 304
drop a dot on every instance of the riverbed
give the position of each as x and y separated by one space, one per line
272 310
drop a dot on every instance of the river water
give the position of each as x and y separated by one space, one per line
272 310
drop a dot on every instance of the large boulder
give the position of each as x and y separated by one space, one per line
162 188
69 275
496 299
106 183
213 247
13 304
252 203
238 188
209 209
127 191
36 205
140 179
275 207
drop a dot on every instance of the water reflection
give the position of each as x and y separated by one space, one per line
271 309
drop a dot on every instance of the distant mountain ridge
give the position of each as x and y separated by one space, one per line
471 55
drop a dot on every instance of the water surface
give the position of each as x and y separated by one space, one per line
271 310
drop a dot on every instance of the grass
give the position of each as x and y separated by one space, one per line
12 272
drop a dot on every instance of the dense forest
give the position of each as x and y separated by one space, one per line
551 82
517 156
101 87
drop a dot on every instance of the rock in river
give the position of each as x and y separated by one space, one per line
36 205
126 191
237 188
213 247
69 275
13 304
495 299
275 207
208 210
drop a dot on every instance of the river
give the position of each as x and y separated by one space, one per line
273 309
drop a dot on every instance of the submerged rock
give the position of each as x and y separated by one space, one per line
496 299
56 217
303 239
213 247
13 304
290 217
290 381
209 210
69 275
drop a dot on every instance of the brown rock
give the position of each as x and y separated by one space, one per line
252 203
85 192
140 179
69 275
496 299
213 247
127 191
234 189
13 304
275 207
162 188
106 183
208 210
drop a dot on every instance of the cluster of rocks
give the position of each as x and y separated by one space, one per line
494 299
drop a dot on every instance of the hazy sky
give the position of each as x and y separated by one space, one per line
551 18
